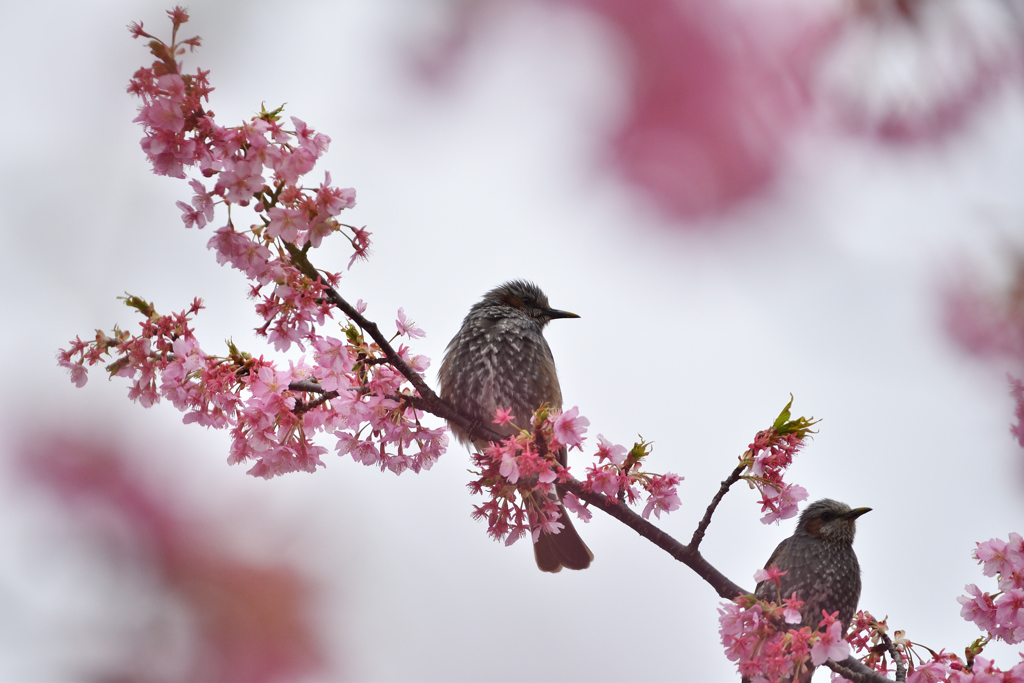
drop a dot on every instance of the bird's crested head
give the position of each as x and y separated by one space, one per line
520 299
830 520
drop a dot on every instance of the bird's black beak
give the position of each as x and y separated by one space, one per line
552 313
855 513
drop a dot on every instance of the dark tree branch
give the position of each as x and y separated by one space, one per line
685 554
311 387
855 670
702 527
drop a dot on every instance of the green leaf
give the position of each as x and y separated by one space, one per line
801 426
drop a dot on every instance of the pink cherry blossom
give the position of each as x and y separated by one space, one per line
663 495
791 613
1001 615
767 459
604 481
509 468
930 672
992 553
570 427
613 453
572 504
830 646
769 573
351 395
286 223
408 327
503 416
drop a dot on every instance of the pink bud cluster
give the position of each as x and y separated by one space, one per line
350 390
520 474
1002 614
756 635
767 459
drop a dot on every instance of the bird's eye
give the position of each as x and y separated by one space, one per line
527 301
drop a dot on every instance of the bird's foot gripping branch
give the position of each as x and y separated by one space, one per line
367 398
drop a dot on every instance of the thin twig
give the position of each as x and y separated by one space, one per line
698 534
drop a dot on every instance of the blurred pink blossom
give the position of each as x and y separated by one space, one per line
989 324
251 621
715 94
916 68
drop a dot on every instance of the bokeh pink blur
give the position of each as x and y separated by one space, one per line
244 622
718 90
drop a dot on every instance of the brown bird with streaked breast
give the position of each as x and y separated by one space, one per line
500 359
820 565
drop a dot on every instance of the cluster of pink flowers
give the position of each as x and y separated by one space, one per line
273 413
349 390
519 477
1002 614
756 635
767 459
617 474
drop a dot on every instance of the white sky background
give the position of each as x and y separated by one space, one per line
824 286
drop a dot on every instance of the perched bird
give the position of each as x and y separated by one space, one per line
820 565
499 359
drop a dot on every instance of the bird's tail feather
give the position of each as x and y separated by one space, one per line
564 549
